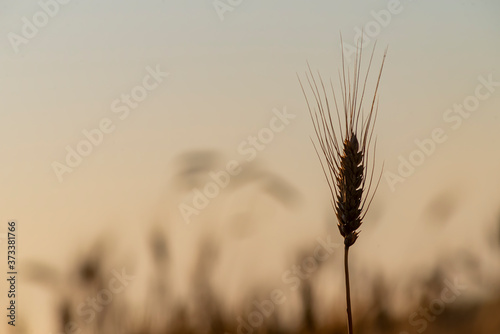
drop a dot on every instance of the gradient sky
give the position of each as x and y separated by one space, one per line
225 78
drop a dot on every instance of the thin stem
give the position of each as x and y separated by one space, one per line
348 290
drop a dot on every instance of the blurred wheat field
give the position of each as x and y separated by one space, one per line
233 270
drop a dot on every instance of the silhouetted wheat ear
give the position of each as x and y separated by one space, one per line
349 182
345 141
346 150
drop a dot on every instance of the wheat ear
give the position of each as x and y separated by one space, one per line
343 146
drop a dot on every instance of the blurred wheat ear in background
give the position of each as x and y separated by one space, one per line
345 142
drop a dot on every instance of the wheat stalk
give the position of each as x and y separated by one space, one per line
345 143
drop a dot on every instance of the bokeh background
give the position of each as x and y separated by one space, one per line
230 64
